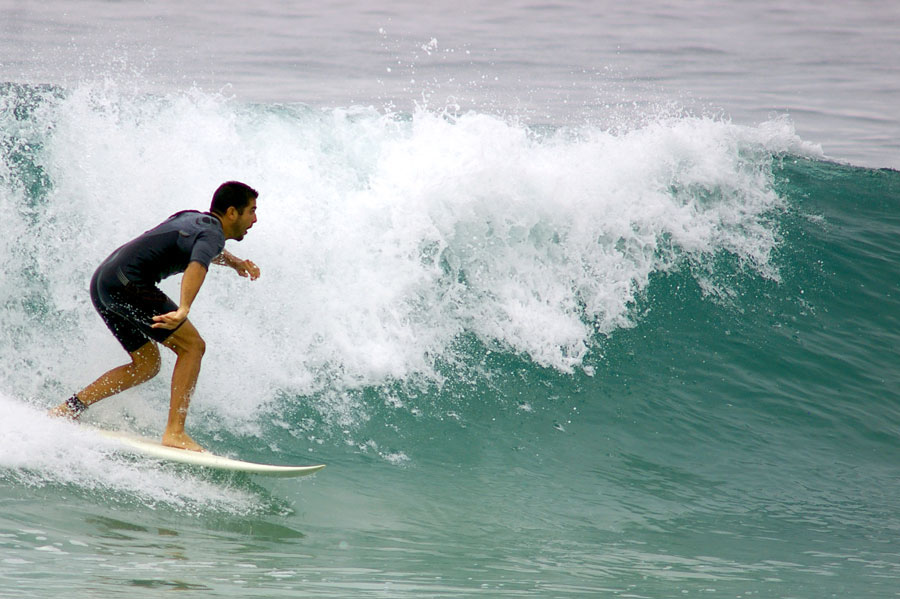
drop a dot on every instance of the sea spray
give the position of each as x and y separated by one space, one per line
382 238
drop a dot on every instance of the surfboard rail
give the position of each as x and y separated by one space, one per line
205 459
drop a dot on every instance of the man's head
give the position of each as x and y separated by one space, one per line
235 205
232 193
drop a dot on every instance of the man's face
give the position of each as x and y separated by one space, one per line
245 220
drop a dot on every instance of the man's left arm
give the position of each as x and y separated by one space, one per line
245 268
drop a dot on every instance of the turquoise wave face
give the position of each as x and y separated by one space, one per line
673 343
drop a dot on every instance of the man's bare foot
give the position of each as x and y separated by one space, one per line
180 441
71 409
62 411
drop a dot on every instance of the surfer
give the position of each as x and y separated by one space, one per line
124 291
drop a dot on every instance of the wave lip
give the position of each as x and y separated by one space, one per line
383 238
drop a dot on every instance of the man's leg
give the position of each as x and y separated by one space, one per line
189 347
144 366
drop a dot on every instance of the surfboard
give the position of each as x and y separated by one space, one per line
205 459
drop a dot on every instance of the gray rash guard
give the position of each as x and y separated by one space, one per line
168 248
123 288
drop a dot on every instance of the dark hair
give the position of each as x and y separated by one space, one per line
232 193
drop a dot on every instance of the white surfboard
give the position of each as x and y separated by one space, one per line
205 459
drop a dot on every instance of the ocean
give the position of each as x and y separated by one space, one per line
574 299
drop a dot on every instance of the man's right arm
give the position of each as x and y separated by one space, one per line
191 281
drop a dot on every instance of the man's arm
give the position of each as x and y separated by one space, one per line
245 268
191 281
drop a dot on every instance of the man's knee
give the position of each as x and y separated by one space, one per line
149 369
192 344
198 345
146 362
186 341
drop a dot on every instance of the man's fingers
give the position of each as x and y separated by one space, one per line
166 321
249 269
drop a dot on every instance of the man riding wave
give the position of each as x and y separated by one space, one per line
124 292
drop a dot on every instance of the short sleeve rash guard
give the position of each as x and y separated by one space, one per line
168 248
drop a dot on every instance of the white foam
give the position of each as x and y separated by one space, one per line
381 239
41 451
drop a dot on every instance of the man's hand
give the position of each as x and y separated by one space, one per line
170 320
246 268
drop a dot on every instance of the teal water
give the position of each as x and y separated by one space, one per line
654 361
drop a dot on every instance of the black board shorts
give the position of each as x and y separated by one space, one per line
128 308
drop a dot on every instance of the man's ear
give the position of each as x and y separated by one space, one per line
231 213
